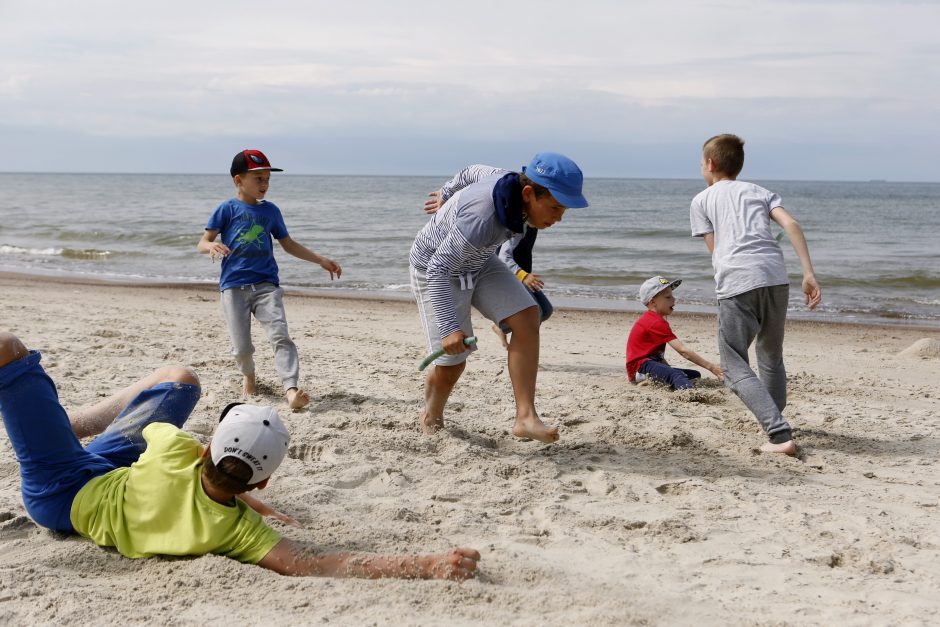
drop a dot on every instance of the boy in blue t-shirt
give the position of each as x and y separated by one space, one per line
249 281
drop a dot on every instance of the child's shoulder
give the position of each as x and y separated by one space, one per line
648 318
733 190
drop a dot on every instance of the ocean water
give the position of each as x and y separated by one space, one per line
874 244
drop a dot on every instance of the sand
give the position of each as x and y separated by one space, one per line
655 507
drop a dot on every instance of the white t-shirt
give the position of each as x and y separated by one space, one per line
746 255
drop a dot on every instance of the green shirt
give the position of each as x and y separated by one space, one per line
157 506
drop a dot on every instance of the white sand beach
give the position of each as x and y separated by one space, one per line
653 509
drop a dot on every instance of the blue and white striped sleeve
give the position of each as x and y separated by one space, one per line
506 252
446 262
468 176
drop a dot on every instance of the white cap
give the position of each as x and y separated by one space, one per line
253 434
653 286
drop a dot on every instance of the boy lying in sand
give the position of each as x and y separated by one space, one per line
147 488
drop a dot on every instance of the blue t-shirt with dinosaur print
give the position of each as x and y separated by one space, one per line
248 230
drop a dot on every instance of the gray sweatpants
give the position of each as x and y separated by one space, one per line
266 302
760 314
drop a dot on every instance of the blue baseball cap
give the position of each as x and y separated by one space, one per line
560 175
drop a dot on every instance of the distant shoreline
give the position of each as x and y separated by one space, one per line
561 303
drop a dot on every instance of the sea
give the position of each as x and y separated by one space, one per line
874 244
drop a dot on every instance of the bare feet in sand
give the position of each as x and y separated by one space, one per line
786 448
297 398
533 428
501 335
249 388
429 425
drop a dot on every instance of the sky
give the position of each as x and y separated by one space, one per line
818 89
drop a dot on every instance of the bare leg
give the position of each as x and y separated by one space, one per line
297 398
523 371
91 420
438 385
502 336
249 386
11 348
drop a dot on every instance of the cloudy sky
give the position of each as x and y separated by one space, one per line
845 90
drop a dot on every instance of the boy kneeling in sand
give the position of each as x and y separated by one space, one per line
147 488
646 345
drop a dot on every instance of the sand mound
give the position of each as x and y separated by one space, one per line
926 348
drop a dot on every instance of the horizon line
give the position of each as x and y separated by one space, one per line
635 178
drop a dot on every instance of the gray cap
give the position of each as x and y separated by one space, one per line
652 287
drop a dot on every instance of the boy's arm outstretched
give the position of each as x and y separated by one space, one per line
812 293
289 558
696 359
300 251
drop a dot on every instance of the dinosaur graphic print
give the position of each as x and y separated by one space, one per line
251 236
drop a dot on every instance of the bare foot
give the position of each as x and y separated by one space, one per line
786 448
249 388
501 335
429 425
533 428
297 398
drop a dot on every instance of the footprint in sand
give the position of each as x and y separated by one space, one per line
671 531
314 453
354 477
675 488
598 483
14 526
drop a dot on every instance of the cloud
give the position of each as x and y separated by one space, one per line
600 73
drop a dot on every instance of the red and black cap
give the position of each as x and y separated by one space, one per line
248 160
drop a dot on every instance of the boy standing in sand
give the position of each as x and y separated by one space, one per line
515 253
147 488
646 345
453 266
249 281
752 285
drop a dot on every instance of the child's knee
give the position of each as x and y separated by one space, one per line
525 321
449 375
178 374
11 348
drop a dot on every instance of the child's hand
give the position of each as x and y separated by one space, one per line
433 203
533 282
284 518
715 369
453 343
812 293
332 267
218 249
456 565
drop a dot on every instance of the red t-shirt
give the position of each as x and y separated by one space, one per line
648 337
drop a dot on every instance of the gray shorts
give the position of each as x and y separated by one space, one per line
496 293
